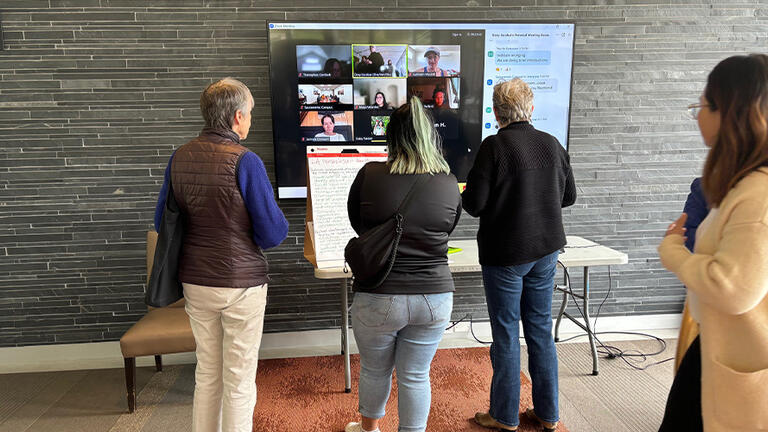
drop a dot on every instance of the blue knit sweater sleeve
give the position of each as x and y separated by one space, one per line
269 225
697 209
160 207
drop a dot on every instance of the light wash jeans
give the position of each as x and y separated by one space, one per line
398 331
227 324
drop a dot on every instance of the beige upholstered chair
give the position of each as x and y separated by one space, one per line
161 331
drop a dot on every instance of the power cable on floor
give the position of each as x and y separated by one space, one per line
632 358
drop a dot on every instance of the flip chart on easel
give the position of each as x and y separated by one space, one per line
330 173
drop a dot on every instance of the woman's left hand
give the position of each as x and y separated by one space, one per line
678 226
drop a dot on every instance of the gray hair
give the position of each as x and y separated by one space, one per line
413 143
221 100
512 101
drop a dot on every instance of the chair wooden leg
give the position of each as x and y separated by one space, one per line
130 382
159 363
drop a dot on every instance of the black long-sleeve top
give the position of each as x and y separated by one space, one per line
520 181
421 263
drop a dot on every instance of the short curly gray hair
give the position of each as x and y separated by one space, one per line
512 101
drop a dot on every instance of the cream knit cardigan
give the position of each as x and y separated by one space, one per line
728 272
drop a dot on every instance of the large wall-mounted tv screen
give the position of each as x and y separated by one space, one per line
337 83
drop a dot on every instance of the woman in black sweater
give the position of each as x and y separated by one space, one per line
518 185
400 323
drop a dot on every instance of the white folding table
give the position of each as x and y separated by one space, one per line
579 252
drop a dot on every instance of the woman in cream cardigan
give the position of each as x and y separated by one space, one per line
727 273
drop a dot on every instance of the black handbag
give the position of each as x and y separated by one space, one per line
372 255
164 287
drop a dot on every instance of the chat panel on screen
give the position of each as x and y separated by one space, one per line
542 57
375 61
323 61
434 60
326 126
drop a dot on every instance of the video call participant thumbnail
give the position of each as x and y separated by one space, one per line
379 61
371 125
323 61
379 126
334 126
333 96
434 61
439 93
379 93
446 122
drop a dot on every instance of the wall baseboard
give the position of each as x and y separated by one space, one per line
106 355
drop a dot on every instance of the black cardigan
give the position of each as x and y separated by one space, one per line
421 263
518 185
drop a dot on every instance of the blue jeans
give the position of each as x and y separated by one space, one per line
514 292
400 331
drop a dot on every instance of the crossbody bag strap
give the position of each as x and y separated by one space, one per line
407 200
398 232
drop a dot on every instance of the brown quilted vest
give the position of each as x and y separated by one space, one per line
218 246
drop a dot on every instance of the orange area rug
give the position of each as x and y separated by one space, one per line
307 394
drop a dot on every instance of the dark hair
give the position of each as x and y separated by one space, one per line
384 98
328 66
439 90
737 88
322 120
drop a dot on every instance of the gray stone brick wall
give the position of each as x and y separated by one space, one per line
96 94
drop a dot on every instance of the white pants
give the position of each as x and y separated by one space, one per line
227 324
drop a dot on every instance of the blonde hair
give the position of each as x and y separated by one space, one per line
512 101
413 143
221 100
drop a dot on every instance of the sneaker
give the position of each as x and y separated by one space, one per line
485 420
548 426
357 427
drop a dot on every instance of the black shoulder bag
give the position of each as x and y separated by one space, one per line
372 255
164 287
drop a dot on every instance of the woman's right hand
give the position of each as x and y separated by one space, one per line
678 226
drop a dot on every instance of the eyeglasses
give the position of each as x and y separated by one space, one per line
695 109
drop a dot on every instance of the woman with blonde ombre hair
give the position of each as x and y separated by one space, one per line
727 274
399 323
